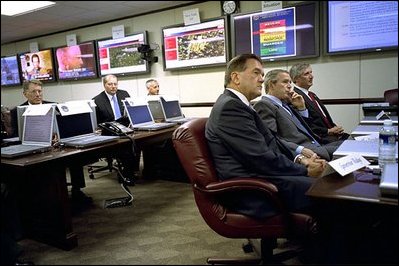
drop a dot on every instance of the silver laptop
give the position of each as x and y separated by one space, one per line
156 110
20 119
172 111
367 149
78 131
36 137
141 119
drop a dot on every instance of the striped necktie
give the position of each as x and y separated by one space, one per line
299 124
315 102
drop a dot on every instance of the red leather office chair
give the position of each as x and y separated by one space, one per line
194 154
391 96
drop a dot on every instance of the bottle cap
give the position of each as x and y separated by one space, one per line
387 122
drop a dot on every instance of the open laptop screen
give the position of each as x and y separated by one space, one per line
74 125
172 109
38 128
139 114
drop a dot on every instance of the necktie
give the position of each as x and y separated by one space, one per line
299 124
116 107
313 98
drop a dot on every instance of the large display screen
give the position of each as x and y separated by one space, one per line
76 62
10 75
361 26
38 65
289 33
198 45
121 56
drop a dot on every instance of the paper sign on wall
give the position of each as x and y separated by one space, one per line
271 5
191 16
118 32
34 47
71 40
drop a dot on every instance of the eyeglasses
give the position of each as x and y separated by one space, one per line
35 92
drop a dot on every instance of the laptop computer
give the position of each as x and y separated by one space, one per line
389 180
156 110
141 119
172 111
36 137
20 119
78 130
367 149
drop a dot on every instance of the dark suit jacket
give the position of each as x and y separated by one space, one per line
282 124
14 119
315 120
104 111
243 147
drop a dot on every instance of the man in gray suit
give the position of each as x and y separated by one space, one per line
281 110
242 146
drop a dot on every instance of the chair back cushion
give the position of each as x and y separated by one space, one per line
193 151
391 96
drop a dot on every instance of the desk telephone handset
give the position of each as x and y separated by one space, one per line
114 128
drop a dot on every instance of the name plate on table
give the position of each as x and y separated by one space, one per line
345 165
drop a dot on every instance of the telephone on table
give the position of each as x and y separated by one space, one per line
114 129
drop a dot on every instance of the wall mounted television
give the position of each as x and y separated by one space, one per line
121 56
10 75
284 34
360 26
199 45
76 62
38 65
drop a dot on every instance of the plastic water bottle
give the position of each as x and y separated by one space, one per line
387 144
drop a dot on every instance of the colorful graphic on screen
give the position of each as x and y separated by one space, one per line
10 71
121 56
76 61
195 45
38 65
273 33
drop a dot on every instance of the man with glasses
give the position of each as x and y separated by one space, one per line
33 92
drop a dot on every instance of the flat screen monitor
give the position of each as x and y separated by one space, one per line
361 26
121 56
199 45
76 62
284 34
38 65
10 75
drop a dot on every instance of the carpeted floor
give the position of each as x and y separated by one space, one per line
163 226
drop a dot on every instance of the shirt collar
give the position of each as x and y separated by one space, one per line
239 95
274 99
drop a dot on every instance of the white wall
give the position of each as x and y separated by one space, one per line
336 77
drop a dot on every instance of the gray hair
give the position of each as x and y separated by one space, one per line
271 77
26 84
297 70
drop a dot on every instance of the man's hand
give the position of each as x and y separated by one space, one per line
297 101
314 165
308 153
337 130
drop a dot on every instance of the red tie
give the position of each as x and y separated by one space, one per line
312 97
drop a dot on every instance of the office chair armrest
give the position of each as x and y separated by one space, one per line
241 184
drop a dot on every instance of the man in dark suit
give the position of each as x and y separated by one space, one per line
319 120
33 92
282 110
109 108
242 146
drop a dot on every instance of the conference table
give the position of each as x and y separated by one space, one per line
372 120
360 222
40 185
